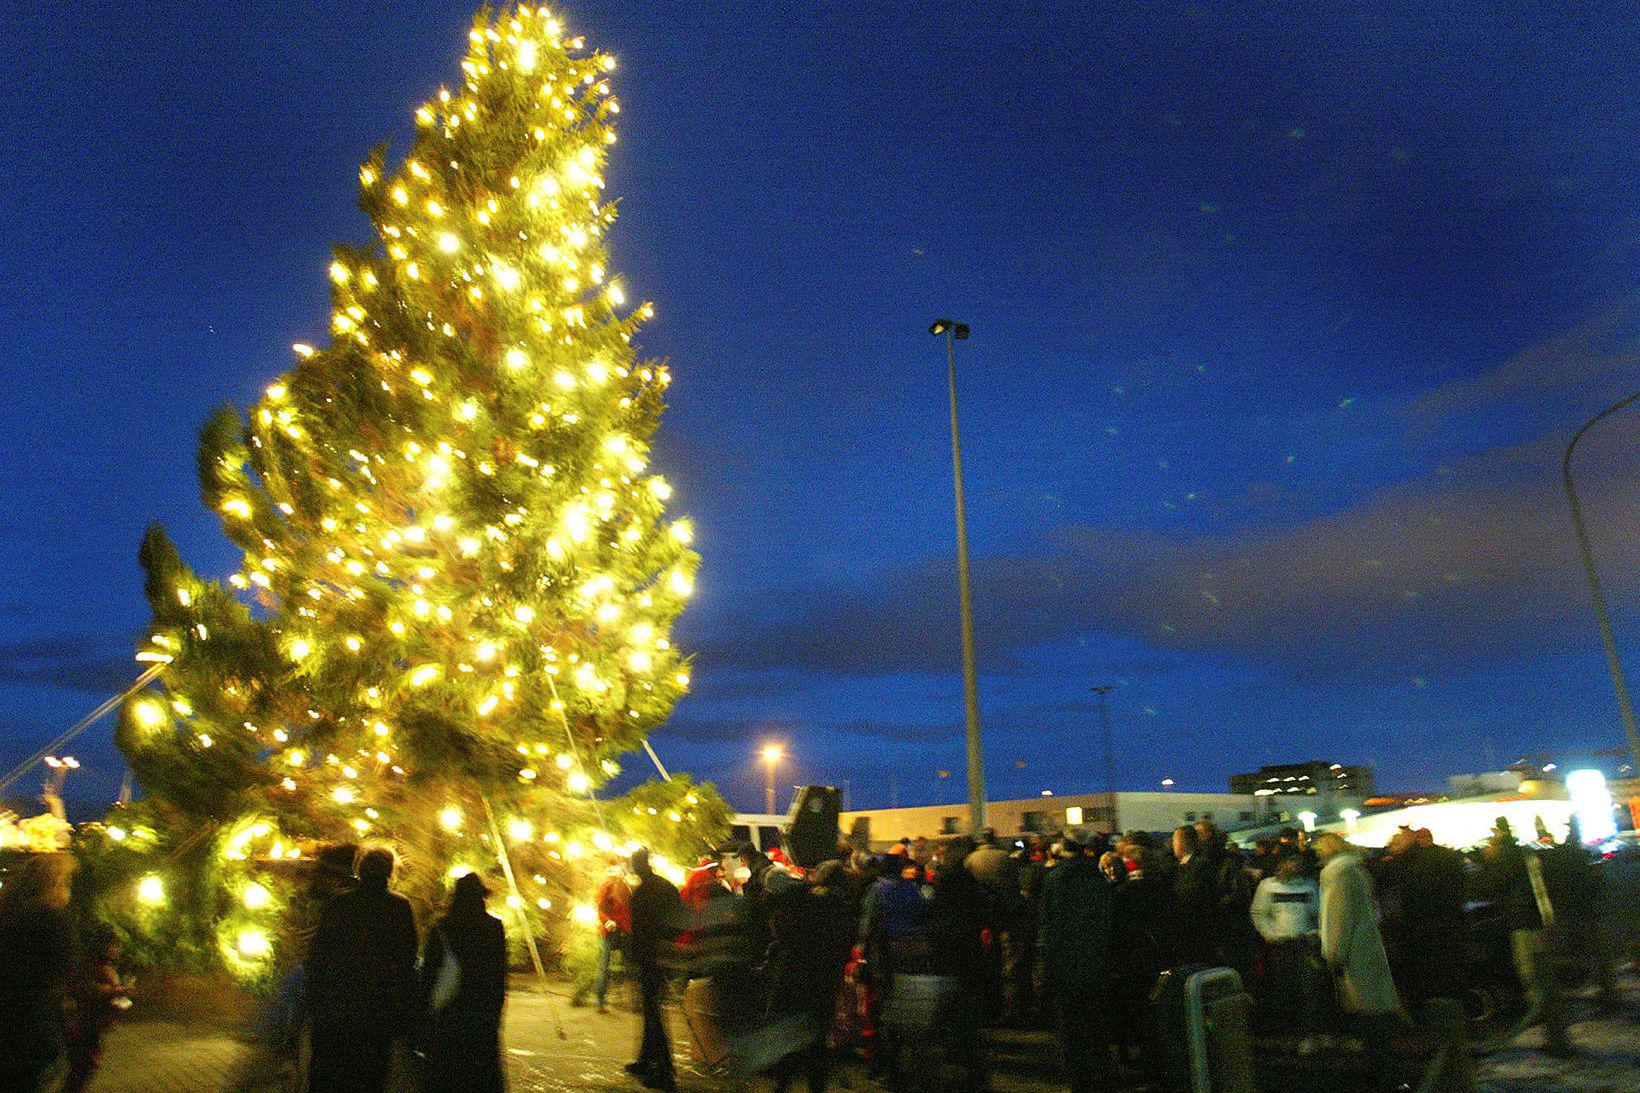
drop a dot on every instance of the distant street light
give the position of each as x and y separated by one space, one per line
1349 816
52 791
1104 719
1613 664
953 332
772 754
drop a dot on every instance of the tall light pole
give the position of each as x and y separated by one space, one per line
1613 664
1103 690
970 680
772 755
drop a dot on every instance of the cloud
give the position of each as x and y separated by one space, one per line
1590 363
1472 564
97 664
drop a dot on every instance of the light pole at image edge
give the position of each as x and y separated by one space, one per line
1614 665
772 754
953 332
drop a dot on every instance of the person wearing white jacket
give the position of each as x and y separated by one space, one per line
1287 906
1286 914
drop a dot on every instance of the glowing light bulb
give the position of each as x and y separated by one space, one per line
299 649
343 795
520 830
424 675
448 243
578 782
517 358
151 890
449 818
256 896
253 943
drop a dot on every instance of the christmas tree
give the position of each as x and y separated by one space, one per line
452 616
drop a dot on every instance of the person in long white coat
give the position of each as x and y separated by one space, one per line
1353 947
1351 942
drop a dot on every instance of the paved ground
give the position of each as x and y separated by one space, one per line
554 1047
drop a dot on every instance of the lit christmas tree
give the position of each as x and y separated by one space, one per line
458 583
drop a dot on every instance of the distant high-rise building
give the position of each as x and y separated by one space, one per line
1316 776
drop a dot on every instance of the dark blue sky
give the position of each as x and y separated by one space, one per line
1282 315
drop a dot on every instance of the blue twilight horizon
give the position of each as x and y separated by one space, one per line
1282 318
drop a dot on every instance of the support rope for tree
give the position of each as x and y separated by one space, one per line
665 777
575 749
80 726
516 898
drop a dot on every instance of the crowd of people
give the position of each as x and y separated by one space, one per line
902 957
899 958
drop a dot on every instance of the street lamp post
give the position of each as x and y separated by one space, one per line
1103 690
970 682
1613 664
771 758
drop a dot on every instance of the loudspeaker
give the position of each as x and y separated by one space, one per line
811 835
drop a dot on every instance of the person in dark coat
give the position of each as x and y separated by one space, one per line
38 955
1429 958
1074 946
1195 898
361 981
958 917
1141 943
1506 878
1020 925
463 1034
812 934
656 917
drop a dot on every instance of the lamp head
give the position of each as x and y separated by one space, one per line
939 326
958 330
772 753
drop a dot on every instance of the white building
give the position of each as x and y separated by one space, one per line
1111 812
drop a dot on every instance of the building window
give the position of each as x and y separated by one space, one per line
1073 815
948 825
1034 822
1189 817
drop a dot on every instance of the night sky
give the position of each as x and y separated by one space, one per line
1282 316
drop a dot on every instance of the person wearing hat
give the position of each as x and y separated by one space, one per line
464 982
1073 945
